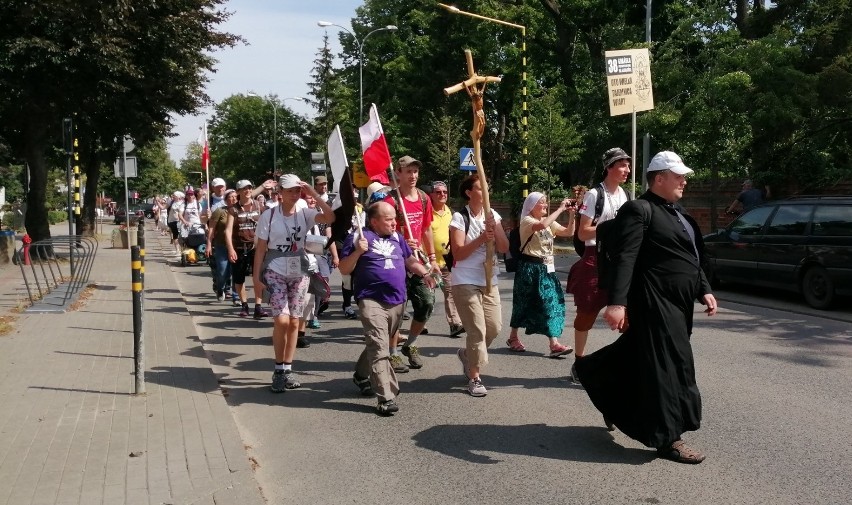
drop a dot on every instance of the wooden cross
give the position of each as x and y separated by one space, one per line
475 87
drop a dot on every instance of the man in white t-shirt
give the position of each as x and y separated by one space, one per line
583 277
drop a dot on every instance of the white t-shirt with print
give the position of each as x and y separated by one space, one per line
285 233
611 205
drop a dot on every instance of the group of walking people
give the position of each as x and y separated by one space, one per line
407 242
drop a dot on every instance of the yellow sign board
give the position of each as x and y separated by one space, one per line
359 175
628 81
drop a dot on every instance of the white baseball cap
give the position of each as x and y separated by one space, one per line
244 183
289 181
667 160
218 182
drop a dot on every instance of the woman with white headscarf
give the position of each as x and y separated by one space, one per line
538 302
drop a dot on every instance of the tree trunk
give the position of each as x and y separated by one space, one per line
86 225
566 36
36 222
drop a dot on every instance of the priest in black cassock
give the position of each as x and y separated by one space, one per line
644 382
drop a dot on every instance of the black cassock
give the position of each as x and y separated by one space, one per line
644 382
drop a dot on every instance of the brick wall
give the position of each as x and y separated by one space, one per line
699 198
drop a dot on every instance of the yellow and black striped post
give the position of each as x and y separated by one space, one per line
525 115
138 330
140 241
76 176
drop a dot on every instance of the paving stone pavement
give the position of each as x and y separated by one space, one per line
72 431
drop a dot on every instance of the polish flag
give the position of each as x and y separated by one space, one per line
377 158
205 148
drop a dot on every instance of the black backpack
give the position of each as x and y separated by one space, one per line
607 243
580 245
448 258
515 249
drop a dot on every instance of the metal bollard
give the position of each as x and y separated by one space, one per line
138 333
140 241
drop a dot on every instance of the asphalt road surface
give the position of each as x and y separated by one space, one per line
775 381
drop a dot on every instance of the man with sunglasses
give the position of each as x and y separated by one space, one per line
442 215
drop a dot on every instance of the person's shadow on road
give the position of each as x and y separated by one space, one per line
476 443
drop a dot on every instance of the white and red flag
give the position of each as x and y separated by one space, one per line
377 159
205 148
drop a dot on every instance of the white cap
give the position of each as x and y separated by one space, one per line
178 194
667 160
244 183
217 182
373 187
289 181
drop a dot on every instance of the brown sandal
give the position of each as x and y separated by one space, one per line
515 345
681 453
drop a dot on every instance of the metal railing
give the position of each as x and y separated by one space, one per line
55 269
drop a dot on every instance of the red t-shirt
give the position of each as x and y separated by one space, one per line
418 217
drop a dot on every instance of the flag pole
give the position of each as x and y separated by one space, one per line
206 161
393 177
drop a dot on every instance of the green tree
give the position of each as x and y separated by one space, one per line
122 67
445 134
332 100
243 141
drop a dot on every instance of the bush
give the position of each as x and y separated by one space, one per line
56 216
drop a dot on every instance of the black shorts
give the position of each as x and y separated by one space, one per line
174 228
243 265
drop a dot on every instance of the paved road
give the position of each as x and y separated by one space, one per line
775 385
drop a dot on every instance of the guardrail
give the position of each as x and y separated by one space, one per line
55 269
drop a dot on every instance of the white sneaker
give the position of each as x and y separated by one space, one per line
476 388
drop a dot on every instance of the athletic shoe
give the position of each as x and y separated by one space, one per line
260 312
413 355
575 379
279 382
397 364
349 313
560 350
363 385
220 295
456 330
462 355
313 324
405 316
302 342
245 311
475 387
235 299
387 408
290 381
323 306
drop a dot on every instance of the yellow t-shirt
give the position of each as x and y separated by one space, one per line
541 245
441 233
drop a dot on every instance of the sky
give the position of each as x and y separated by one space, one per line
282 40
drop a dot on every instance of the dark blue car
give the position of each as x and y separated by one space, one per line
802 244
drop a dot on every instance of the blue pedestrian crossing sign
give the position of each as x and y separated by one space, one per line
466 159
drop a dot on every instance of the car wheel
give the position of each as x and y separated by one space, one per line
817 288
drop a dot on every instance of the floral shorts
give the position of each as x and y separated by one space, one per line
287 296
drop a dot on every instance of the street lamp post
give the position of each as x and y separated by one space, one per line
360 45
525 110
275 124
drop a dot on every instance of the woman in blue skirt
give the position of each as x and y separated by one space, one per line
538 302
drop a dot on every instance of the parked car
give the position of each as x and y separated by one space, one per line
802 244
138 212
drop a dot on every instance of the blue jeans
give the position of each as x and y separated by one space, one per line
221 269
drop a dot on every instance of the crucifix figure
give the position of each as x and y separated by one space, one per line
475 87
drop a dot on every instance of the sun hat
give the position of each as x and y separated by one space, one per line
667 160
320 179
613 155
289 181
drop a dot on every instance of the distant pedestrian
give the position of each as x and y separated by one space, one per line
217 244
479 308
280 264
378 261
538 301
749 197
644 383
243 218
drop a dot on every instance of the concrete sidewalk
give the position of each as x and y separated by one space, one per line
71 429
